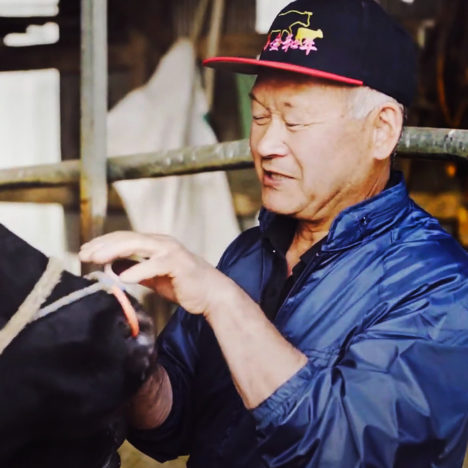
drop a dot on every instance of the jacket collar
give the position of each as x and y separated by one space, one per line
359 222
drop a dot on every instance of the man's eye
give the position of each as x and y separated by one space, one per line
292 124
260 119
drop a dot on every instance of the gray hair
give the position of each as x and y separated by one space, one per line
363 100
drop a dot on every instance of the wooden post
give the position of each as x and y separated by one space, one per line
212 47
93 175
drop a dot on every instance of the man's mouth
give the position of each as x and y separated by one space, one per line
275 176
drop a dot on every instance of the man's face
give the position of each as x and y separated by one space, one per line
311 157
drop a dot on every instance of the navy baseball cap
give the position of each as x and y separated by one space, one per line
347 41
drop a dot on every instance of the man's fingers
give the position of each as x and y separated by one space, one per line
145 270
118 245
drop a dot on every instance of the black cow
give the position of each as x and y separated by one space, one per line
65 378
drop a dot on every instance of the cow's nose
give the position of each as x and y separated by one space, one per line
145 339
147 333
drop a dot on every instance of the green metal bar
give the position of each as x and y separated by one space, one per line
65 173
93 168
434 142
415 142
221 156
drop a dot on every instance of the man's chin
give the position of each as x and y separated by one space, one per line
278 208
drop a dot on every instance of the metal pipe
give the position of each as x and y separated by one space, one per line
434 142
416 142
93 172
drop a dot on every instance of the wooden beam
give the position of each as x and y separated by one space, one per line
18 25
67 196
237 45
65 58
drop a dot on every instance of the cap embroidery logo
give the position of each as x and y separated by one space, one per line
304 39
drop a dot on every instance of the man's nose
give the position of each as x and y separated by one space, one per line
272 142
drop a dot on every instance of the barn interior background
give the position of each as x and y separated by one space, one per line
41 77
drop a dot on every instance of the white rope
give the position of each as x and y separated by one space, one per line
66 300
103 283
30 310
41 291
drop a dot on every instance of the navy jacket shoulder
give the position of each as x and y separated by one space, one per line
382 315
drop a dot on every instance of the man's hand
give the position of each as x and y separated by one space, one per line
168 268
259 358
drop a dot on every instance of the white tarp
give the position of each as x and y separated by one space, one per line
196 209
30 134
266 12
168 113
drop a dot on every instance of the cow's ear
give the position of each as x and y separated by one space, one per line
67 285
16 251
21 265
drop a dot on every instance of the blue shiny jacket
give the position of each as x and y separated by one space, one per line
381 313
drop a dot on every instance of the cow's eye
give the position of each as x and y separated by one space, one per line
125 329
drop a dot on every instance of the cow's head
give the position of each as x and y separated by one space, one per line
68 375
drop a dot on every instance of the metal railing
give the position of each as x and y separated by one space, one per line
433 143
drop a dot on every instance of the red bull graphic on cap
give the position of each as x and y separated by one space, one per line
296 36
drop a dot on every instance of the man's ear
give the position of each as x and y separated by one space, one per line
387 125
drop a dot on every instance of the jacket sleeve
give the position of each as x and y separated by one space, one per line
178 354
395 396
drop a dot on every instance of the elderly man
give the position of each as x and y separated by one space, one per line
335 334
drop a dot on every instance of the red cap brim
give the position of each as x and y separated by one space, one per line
253 67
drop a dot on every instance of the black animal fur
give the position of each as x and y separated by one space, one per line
65 378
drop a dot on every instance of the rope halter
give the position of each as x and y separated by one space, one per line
30 310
